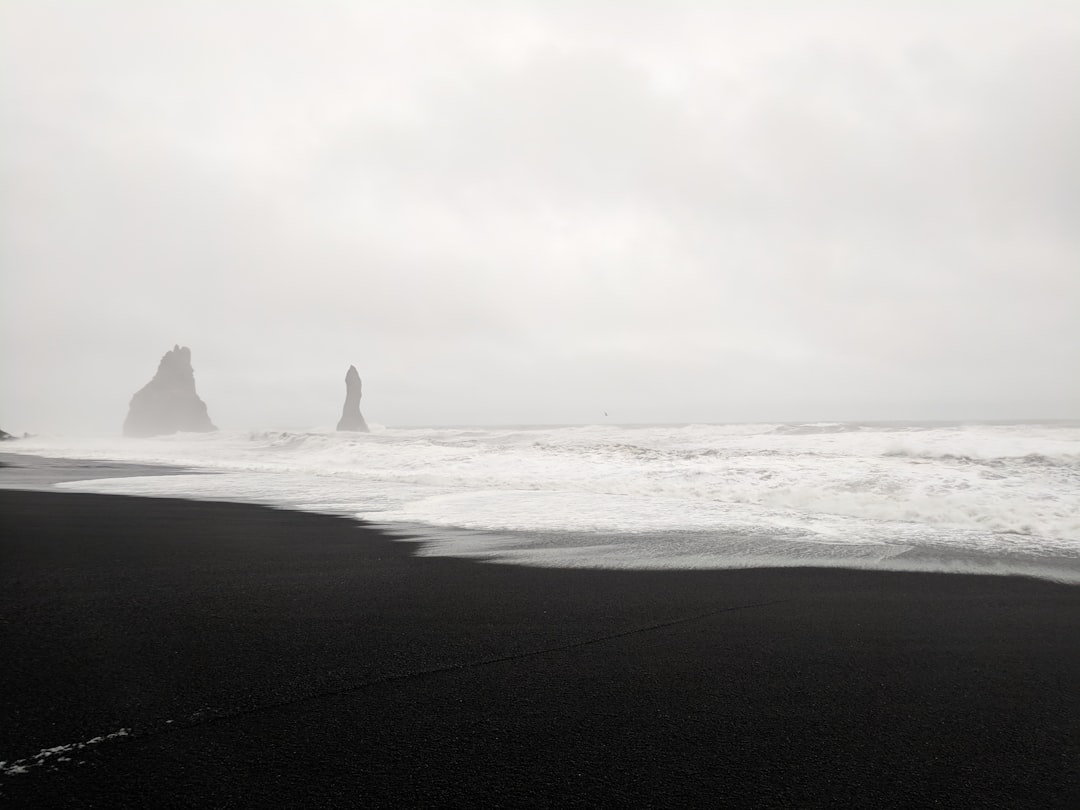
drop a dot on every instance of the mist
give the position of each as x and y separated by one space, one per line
528 213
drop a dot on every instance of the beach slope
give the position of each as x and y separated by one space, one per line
170 653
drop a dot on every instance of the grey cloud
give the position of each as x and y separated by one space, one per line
523 213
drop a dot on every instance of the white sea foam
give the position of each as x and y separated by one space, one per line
541 493
55 754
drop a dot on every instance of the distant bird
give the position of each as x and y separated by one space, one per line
605 413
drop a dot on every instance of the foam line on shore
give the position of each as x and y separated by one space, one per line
724 547
56 754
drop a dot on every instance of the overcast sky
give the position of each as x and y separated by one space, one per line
535 212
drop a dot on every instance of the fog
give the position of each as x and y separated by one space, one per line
538 212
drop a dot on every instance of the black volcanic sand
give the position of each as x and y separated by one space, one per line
38 472
269 658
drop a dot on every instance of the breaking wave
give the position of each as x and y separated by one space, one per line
903 489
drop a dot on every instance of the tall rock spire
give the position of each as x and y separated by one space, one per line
351 418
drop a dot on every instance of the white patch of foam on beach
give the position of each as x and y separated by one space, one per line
983 489
58 753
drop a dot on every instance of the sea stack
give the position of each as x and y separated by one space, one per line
351 418
168 403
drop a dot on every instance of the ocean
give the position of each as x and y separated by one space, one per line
987 498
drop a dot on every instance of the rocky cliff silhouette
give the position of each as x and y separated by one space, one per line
168 403
351 418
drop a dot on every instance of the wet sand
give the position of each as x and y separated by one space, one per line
259 657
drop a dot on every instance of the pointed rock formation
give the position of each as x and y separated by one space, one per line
168 403
351 418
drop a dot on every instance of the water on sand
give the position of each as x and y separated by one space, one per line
961 497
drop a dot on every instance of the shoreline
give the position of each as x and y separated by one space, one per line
43 472
251 654
533 548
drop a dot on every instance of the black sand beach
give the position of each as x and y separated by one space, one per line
256 657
